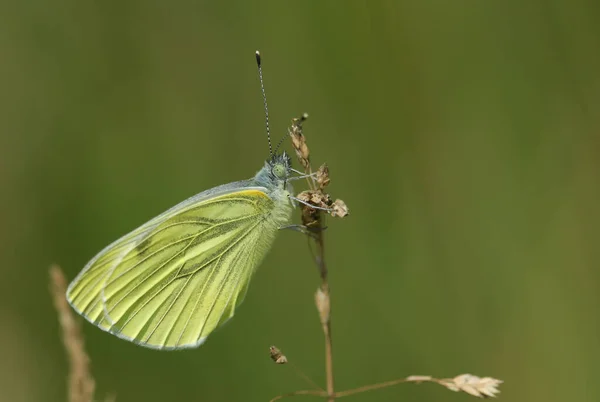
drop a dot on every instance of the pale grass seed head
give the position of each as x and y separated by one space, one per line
473 385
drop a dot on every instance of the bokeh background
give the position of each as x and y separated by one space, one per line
463 135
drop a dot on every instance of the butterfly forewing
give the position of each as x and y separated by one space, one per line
171 282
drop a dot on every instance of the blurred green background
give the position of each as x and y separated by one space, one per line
463 135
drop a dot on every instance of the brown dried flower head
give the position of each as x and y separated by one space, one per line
312 216
339 209
299 142
322 176
320 199
277 356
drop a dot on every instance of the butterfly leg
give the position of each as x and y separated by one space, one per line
304 229
301 175
309 205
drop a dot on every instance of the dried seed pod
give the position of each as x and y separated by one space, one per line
339 208
323 176
299 141
277 356
305 196
320 199
323 305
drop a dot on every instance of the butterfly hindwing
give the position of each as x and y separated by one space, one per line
171 282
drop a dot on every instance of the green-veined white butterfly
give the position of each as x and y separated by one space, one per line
169 283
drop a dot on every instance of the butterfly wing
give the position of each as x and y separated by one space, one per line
171 282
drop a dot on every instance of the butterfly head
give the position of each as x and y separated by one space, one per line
275 173
280 166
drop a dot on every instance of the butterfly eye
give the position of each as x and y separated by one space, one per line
279 171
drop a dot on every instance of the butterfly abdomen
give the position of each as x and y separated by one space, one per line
278 216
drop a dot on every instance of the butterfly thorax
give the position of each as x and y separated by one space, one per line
274 177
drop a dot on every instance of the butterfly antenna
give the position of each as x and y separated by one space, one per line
280 142
264 95
301 120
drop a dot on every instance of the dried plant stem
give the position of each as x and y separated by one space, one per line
473 385
324 304
306 378
81 383
314 201
310 392
329 363
312 218
372 387
323 296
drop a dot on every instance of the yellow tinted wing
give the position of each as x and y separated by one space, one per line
171 282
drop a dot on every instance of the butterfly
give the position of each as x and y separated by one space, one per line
172 281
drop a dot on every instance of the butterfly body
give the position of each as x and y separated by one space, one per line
169 283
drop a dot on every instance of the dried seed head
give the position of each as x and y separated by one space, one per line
339 208
299 141
323 176
315 197
320 199
277 356
81 382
